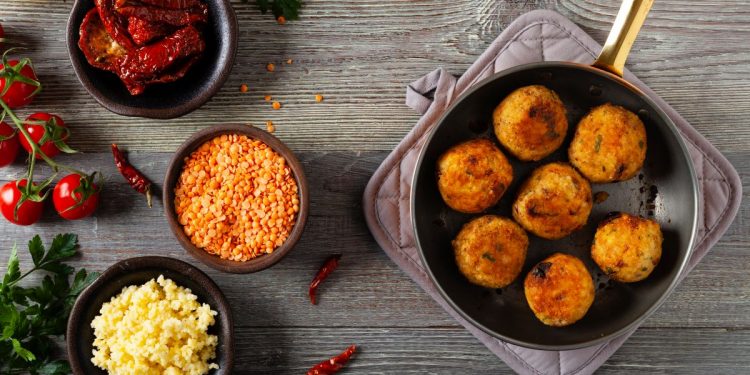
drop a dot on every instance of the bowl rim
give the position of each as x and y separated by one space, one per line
123 266
227 63
174 169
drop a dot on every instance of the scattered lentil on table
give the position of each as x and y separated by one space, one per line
236 198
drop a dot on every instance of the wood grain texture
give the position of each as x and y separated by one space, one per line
368 300
360 54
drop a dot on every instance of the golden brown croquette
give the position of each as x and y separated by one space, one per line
626 247
609 144
490 251
559 290
553 202
531 122
472 176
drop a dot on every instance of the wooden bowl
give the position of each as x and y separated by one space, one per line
138 271
169 100
175 169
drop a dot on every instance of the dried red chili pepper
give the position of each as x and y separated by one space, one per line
145 65
137 180
174 17
143 31
334 364
330 264
114 23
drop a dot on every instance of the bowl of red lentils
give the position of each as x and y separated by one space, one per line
236 198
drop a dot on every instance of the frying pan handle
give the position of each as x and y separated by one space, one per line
629 20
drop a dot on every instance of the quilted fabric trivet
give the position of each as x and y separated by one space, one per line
535 36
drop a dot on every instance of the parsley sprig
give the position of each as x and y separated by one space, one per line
32 317
289 9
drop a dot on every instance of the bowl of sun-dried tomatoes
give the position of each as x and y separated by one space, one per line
152 58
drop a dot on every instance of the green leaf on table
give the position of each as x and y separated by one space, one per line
81 281
287 8
33 318
58 367
14 269
63 246
21 351
36 248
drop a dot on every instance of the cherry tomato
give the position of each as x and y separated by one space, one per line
53 125
8 147
20 93
75 197
28 213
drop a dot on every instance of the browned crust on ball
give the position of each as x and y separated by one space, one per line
531 122
553 202
473 176
627 247
609 144
490 251
559 290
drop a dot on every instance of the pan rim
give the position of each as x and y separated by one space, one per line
674 132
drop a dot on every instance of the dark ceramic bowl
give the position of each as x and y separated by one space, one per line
138 271
162 101
175 169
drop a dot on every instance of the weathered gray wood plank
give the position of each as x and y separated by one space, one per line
453 351
367 284
361 54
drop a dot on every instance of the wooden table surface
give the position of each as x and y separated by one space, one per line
360 54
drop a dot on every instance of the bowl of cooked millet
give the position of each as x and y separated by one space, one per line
151 315
236 198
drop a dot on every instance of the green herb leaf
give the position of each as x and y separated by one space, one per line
21 351
14 270
287 8
32 318
598 143
36 248
58 367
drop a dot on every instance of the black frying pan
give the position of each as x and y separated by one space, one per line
666 189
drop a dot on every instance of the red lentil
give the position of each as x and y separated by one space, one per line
236 198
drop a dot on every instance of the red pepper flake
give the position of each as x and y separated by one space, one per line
267 98
334 364
276 105
137 180
271 67
318 98
243 88
330 264
281 20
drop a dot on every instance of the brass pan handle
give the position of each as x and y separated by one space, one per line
629 20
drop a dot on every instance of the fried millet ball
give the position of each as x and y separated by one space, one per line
472 176
531 122
490 251
626 247
609 144
559 290
553 202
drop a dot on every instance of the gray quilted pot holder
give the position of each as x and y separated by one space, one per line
535 36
